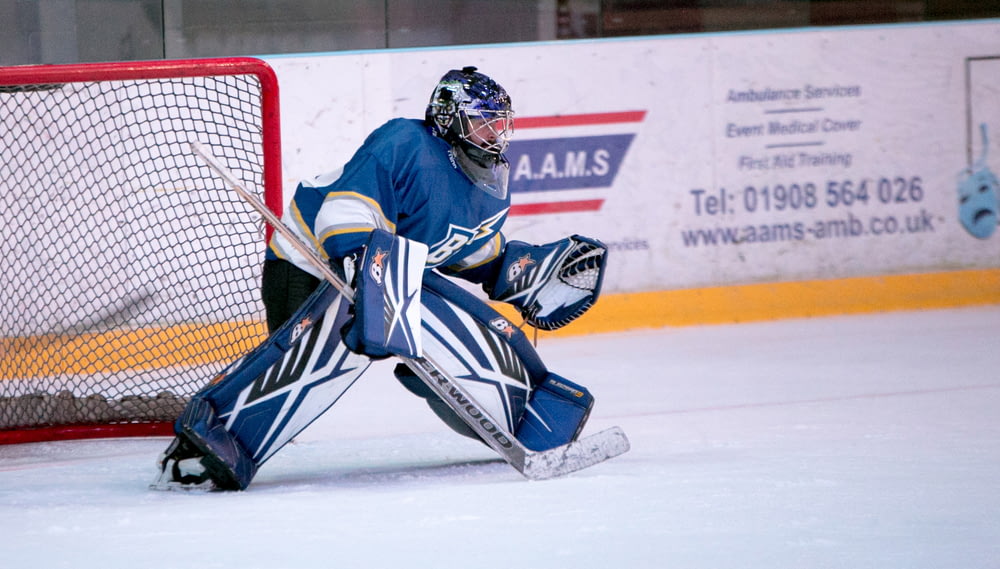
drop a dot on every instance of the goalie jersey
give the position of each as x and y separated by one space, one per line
407 181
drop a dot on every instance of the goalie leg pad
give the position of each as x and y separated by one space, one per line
497 365
257 404
556 413
386 310
224 460
292 379
492 360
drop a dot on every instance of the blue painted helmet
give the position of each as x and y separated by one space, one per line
472 112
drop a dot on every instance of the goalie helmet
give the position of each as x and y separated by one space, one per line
472 112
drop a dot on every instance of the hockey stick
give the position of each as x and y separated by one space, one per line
534 465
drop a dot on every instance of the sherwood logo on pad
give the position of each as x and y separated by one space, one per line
571 168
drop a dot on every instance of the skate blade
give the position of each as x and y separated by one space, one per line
166 482
174 486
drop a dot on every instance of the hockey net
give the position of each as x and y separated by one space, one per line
130 272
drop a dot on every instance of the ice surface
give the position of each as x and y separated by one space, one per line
847 442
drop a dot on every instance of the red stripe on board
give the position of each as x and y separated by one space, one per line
88 431
579 120
555 207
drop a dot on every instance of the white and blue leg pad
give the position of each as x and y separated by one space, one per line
257 404
556 413
497 365
387 296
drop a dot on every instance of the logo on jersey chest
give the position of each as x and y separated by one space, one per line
459 237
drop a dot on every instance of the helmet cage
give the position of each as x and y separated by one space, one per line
489 130
470 109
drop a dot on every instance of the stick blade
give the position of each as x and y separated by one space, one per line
577 455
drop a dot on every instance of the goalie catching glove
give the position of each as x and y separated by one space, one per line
553 284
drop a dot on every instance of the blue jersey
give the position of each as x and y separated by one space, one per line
407 181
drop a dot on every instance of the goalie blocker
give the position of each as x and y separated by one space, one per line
264 399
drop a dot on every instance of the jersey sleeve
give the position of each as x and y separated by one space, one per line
359 202
336 212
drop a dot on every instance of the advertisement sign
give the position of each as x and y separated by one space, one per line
714 160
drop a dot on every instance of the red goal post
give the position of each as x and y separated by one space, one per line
131 272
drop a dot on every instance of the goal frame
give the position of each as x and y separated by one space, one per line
144 70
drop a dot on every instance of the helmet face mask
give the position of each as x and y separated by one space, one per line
470 110
489 130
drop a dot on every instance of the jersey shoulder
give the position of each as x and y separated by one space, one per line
407 134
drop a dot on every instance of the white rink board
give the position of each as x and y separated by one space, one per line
823 153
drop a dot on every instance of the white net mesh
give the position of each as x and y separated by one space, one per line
130 273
